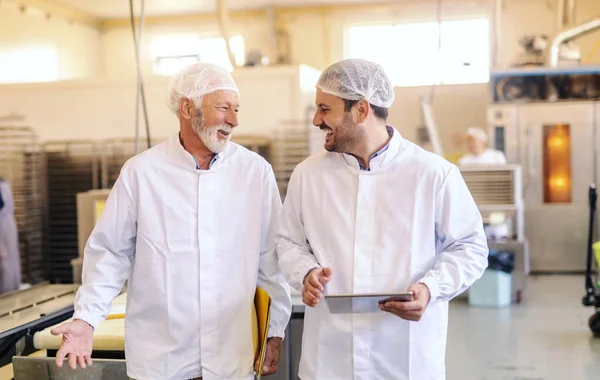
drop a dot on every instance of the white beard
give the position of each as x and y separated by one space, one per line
208 135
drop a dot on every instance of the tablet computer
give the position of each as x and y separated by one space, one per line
379 297
363 302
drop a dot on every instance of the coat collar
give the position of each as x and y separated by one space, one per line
185 158
380 161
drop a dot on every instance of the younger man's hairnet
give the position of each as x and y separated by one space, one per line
196 81
357 79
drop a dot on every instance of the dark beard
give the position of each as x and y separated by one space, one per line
346 137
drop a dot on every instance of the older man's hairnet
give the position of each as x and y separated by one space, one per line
477 133
196 81
358 79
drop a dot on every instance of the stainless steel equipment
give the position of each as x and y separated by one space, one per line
292 345
556 145
498 189
40 368
24 312
498 193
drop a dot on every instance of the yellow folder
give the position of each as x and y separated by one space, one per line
261 317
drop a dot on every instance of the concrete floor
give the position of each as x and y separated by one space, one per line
544 338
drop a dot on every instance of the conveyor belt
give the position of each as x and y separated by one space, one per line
24 312
23 307
108 336
109 340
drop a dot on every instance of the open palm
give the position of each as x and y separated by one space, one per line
77 343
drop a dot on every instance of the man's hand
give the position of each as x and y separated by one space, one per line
413 310
271 356
77 343
314 285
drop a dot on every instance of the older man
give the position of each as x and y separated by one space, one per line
375 213
478 151
191 224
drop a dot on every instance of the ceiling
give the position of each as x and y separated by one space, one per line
104 9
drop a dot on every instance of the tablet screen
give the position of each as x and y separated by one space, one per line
363 303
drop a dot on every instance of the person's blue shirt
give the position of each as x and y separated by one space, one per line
211 161
380 151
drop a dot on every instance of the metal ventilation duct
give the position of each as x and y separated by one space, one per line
567 29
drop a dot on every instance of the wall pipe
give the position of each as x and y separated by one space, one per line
565 14
571 12
497 32
137 43
567 35
224 26
560 14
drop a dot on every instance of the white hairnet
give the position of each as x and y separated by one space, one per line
196 81
357 79
477 133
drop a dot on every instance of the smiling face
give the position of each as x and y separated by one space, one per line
216 119
342 133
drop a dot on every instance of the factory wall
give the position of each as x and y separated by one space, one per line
75 46
316 34
316 38
118 54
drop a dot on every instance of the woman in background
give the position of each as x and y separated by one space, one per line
10 262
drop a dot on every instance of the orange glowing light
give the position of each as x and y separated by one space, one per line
557 163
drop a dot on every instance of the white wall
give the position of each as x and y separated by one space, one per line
316 39
105 108
118 54
77 46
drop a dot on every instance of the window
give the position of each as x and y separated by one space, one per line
172 53
413 54
29 64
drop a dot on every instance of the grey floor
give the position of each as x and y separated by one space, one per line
546 337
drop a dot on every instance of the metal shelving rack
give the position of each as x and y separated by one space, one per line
113 154
49 176
293 142
72 167
76 167
22 165
256 143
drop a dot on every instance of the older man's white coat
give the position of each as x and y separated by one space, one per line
193 244
410 219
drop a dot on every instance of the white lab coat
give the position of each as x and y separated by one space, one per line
489 156
10 261
193 244
410 219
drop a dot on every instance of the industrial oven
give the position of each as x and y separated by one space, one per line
556 144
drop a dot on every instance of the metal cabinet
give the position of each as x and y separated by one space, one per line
556 144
